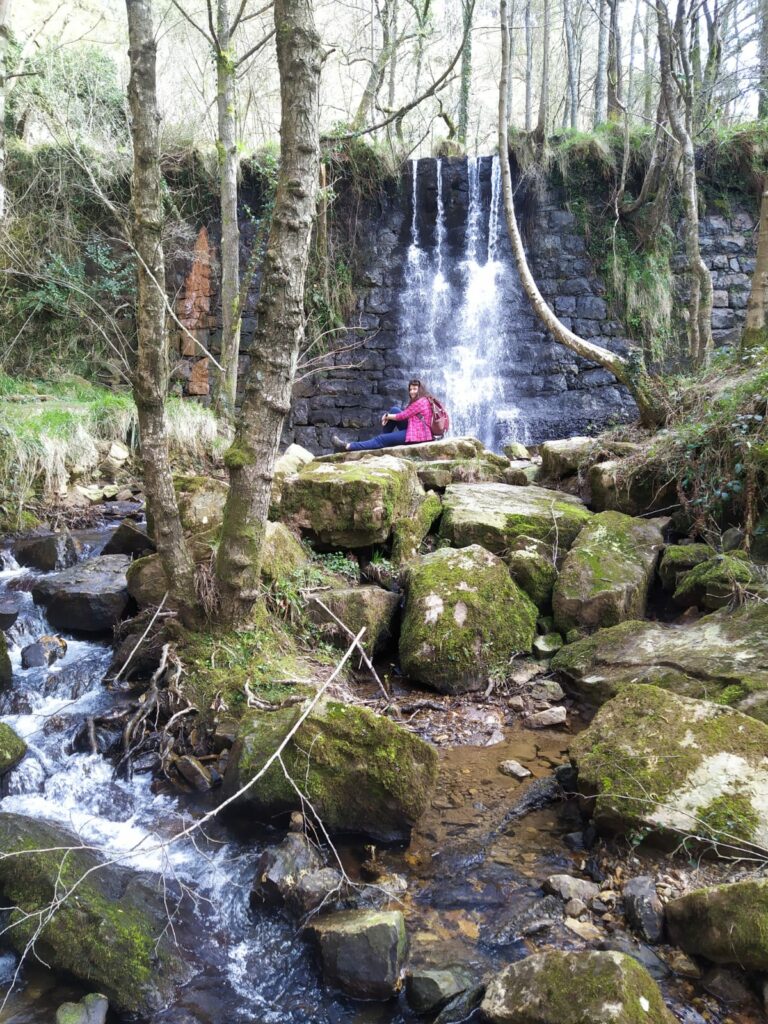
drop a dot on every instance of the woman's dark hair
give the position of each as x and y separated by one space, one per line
422 392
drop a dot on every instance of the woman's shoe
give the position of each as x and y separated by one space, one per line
338 444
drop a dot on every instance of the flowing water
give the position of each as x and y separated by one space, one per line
470 872
472 294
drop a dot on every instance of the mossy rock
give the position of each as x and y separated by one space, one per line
635 491
515 450
201 501
110 933
719 581
581 987
722 657
678 559
145 577
560 459
533 570
410 531
653 763
293 459
450 448
6 670
361 772
357 607
464 619
282 553
606 574
727 924
12 748
759 540
495 515
362 951
351 504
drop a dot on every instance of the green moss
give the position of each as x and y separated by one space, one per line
360 771
409 532
725 924
12 748
238 456
534 573
6 670
679 558
718 581
728 817
464 618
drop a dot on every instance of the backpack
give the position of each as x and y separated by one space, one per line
440 422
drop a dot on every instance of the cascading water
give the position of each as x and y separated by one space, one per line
460 347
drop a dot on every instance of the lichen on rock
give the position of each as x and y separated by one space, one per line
727 924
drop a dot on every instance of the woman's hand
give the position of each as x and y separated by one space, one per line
385 419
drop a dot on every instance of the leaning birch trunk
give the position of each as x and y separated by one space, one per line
226 383
5 38
700 302
150 380
267 392
628 371
756 327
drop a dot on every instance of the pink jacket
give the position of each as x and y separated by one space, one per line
419 416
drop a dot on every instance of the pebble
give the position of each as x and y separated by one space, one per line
575 907
568 887
545 719
517 703
547 689
584 929
514 769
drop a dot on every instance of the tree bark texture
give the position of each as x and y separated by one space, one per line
226 70
678 109
630 372
756 326
528 66
151 377
601 75
614 63
541 124
467 9
762 86
5 38
280 328
572 87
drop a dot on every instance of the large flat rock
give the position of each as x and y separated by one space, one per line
722 656
495 515
88 598
655 763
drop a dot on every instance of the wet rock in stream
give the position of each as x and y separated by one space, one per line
362 951
48 552
43 652
89 598
9 611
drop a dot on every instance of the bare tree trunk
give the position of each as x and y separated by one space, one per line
466 72
226 69
647 77
700 302
756 326
541 125
151 378
572 91
629 371
528 66
614 64
601 76
378 69
631 74
267 397
762 86
5 38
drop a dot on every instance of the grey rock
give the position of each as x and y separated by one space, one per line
643 908
568 888
9 611
362 951
514 769
429 989
88 598
48 552
91 1010
281 867
548 719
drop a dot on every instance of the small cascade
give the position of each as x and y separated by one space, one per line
461 347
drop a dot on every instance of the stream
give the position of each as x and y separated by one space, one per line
473 874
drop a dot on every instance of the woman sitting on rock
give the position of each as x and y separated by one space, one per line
417 414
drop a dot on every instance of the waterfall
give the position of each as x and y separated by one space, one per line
460 348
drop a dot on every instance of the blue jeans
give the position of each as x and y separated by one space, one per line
391 435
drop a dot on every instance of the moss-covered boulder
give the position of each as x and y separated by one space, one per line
282 554
357 607
495 515
6 670
448 449
680 558
293 459
560 459
725 924
575 988
201 501
111 933
635 489
605 577
533 569
719 581
90 1010
723 657
464 619
655 763
361 772
12 748
408 533
362 951
351 504
515 450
